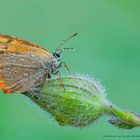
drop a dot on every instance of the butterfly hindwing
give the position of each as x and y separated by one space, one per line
22 64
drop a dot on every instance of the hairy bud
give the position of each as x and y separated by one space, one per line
79 101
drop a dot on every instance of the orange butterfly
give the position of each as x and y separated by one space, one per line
24 65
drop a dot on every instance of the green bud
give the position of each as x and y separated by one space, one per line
76 101
123 119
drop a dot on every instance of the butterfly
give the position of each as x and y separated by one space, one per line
24 65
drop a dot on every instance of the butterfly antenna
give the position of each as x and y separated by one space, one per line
60 49
64 41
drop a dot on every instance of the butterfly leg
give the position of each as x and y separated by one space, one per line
65 65
57 72
59 76
34 93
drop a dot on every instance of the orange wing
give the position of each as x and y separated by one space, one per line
10 45
16 45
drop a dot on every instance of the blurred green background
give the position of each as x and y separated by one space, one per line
108 46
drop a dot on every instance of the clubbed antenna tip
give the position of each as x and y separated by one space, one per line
75 34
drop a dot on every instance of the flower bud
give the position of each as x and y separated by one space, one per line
79 101
124 119
76 101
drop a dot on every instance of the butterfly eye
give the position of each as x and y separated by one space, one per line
56 54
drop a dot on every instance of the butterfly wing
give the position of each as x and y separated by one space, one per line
13 44
22 64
